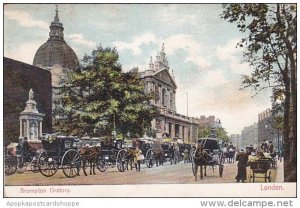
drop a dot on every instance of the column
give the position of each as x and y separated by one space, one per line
27 129
172 135
186 133
21 128
180 132
41 129
167 127
162 126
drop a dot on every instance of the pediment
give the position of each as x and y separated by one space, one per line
164 76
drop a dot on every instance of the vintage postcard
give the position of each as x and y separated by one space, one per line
149 100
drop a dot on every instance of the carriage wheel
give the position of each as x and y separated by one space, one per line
10 165
149 158
22 165
221 168
121 160
101 165
34 165
70 163
47 166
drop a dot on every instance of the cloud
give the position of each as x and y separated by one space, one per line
80 40
233 55
25 19
192 47
136 43
24 52
174 15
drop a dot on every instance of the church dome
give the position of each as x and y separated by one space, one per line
56 51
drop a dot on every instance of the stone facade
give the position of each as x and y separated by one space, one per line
160 79
249 136
18 79
31 121
266 130
207 122
58 57
235 139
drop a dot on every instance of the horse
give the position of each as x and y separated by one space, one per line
201 159
159 156
229 156
89 156
129 158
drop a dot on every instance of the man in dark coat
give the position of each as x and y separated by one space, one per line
242 159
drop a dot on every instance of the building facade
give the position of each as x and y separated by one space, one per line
235 139
266 130
159 78
19 78
58 57
249 136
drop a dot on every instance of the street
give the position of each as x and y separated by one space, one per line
167 174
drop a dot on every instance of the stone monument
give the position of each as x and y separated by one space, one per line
31 121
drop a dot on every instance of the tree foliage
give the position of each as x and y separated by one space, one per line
99 98
270 49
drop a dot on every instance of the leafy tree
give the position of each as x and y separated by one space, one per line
270 49
204 132
100 98
222 134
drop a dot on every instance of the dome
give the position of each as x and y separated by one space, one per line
56 51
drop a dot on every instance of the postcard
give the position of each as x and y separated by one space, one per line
149 100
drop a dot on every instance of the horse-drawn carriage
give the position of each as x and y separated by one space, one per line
260 165
60 152
111 155
229 154
250 150
20 155
162 151
214 156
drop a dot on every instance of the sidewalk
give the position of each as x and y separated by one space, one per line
279 173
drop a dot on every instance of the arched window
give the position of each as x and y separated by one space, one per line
164 97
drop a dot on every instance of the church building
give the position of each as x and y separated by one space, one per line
56 56
159 78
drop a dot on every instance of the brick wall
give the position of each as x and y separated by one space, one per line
18 78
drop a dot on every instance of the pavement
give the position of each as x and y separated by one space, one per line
279 173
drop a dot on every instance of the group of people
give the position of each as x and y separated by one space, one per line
265 151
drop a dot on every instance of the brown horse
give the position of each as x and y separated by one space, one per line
129 158
159 156
89 156
201 159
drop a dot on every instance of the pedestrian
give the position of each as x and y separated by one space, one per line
266 146
186 155
138 157
242 159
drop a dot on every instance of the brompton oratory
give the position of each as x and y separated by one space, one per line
50 64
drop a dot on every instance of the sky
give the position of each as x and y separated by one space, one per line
200 47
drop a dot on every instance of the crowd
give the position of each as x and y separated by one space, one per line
265 151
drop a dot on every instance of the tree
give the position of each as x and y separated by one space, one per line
99 98
222 134
270 49
204 131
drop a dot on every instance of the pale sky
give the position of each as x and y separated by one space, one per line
200 47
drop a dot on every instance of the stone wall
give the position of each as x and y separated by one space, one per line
18 79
